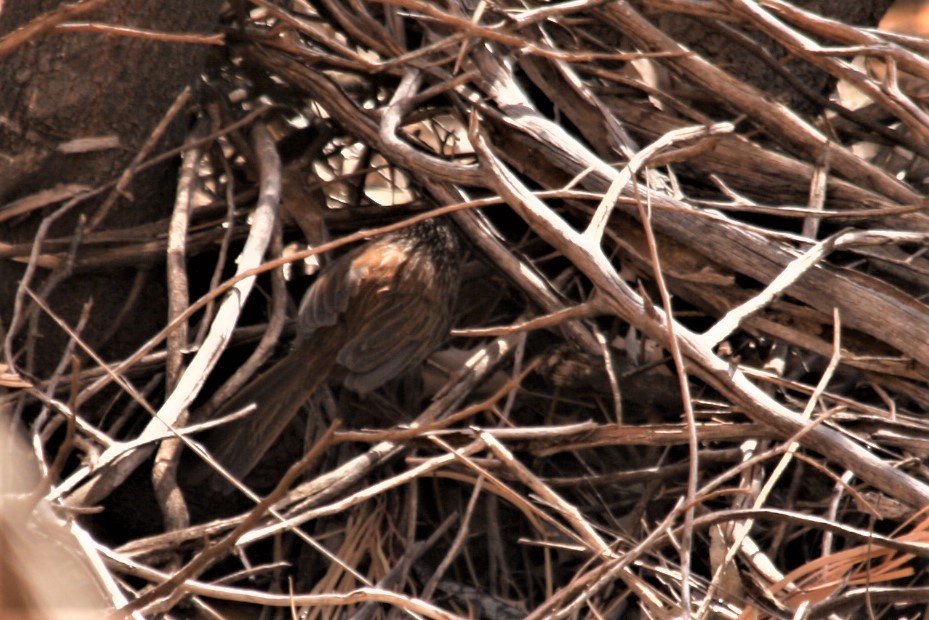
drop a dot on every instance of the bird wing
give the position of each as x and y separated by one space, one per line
374 354
328 298
397 299
382 291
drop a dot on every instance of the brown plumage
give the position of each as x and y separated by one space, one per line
374 312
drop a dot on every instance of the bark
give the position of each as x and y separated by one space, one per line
62 86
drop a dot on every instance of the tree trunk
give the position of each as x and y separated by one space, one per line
66 85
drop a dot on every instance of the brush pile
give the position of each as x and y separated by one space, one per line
688 370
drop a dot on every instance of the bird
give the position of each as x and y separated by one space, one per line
370 315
